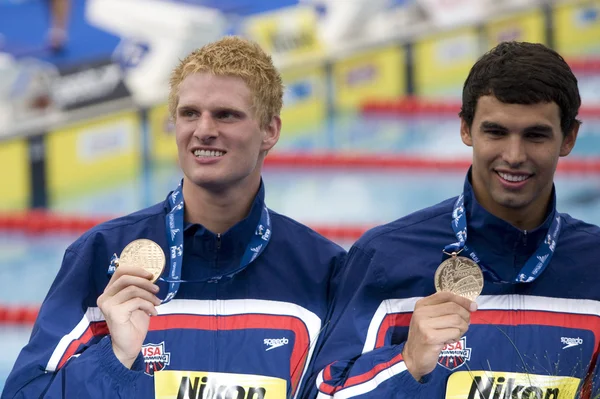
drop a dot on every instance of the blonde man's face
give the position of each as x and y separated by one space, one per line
220 141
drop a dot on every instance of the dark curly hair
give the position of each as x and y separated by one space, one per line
523 73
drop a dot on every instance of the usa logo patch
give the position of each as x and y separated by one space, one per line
455 355
155 357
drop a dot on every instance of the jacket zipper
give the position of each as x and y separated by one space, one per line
516 258
217 303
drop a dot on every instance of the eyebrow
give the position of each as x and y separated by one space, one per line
492 125
537 128
217 108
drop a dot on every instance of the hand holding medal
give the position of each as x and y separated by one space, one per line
129 299
437 320
443 317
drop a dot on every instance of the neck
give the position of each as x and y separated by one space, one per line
218 210
526 218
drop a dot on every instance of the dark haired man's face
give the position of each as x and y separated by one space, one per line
515 153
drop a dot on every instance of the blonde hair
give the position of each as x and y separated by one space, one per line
234 56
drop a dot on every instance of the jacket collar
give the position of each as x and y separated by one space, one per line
488 233
203 243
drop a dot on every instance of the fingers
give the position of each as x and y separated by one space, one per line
129 300
132 292
437 320
448 322
439 338
139 304
441 318
445 309
130 271
128 283
439 330
130 277
443 297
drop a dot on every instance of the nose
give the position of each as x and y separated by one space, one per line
514 152
206 128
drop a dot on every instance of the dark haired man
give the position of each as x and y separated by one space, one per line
535 330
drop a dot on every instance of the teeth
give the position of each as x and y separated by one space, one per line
207 153
513 178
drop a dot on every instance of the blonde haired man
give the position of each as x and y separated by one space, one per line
244 290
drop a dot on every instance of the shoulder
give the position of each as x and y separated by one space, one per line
422 222
579 233
122 227
289 229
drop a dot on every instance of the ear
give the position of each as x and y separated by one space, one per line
569 141
465 133
271 133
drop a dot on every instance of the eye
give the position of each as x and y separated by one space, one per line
536 136
494 132
226 115
187 113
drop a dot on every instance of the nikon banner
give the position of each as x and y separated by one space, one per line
499 385
201 385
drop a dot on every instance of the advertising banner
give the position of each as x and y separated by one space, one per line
87 155
378 73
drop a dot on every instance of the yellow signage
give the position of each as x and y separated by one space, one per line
304 101
527 27
375 74
442 62
577 28
494 384
289 33
171 384
163 147
14 164
93 153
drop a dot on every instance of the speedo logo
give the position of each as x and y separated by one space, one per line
273 343
202 388
570 342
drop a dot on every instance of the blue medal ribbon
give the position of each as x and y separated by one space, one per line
174 227
534 266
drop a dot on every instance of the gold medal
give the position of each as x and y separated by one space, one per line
459 275
145 254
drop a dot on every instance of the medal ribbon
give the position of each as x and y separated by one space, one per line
174 225
534 266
